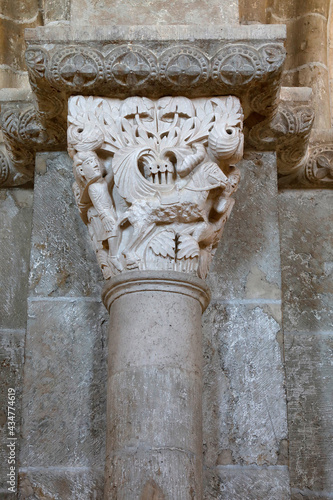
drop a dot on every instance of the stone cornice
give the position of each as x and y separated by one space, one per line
121 61
125 61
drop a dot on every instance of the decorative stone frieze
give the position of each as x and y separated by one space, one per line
154 178
125 61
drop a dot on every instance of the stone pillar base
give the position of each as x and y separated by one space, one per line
154 436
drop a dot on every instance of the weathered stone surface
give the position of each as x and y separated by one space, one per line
297 494
46 483
56 10
306 259
15 234
65 384
98 12
247 262
15 16
244 400
62 260
154 412
309 368
307 63
11 361
250 483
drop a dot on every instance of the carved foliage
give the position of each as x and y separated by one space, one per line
24 134
154 178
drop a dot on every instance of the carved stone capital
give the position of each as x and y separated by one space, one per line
154 178
24 133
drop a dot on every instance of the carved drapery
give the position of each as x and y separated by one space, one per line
154 178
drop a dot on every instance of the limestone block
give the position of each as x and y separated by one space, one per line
70 484
15 234
247 262
56 10
63 263
64 386
250 483
245 419
285 9
11 361
306 253
309 368
120 12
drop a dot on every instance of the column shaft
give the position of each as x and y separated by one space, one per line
154 427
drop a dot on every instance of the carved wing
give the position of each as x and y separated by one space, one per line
130 182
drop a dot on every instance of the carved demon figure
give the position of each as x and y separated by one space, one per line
154 179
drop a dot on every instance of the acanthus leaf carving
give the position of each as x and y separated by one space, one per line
154 178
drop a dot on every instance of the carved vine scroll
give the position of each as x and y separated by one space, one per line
154 178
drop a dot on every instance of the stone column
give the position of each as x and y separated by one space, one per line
153 183
154 437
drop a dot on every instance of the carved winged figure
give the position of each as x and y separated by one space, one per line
167 170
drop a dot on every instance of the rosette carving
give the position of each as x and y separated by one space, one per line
76 69
183 67
236 65
130 67
154 178
319 168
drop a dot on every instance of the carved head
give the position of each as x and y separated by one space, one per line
214 175
87 166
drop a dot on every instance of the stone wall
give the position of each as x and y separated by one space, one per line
306 219
268 339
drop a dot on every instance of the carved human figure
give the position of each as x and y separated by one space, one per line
171 174
97 208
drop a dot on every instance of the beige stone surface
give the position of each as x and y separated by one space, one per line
62 260
64 385
306 257
247 261
76 483
15 233
250 483
154 414
310 407
11 363
153 12
15 16
306 242
245 420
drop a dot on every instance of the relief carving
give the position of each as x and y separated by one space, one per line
288 134
319 168
154 178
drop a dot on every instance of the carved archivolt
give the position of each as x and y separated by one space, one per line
154 178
